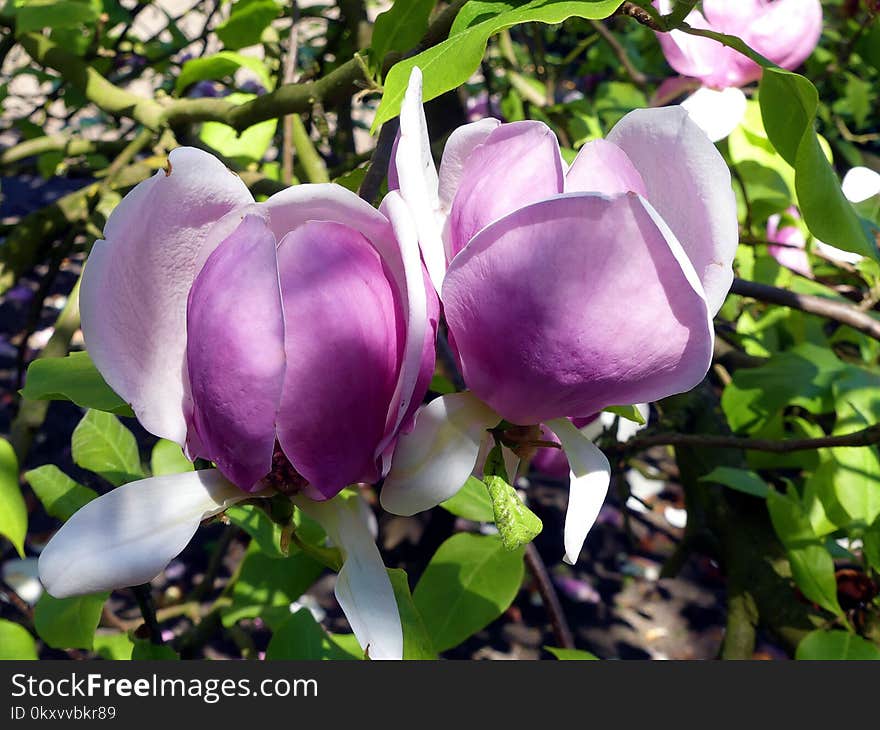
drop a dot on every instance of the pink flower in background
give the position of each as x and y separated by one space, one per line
784 31
790 245
291 339
565 289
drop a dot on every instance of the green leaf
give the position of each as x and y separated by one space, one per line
450 63
516 523
68 623
416 640
742 480
103 445
117 646
74 378
575 654
801 376
471 502
812 566
246 23
630 413
219 66
470 581
148 651
826 645
60 495
266 583
400 28
245 148
168 458
788 106
32 15
301 637
262 529
16 642
13 512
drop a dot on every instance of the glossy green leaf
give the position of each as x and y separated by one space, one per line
167 458
470 581
630 413
34 15
788 106
471 502
74 378
219 66
267 583
571 654
13 512
417 642
301 637
60 495
256 523
741 480
103 445
16 641
836 645
246 23
145 650
801 376
450 63
117 646
244 148
68 623
400 28
812 567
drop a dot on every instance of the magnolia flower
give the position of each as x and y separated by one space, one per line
565 291
788 245
289 342
784 31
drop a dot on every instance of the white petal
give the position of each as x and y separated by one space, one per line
418 180
433 461
127 536
590 477
837 254
363 588
859 184
716 112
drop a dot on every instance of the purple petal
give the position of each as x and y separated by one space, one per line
574 304
517 164
688 183
791 252
786 31
235 354
344 337
602 167
135 286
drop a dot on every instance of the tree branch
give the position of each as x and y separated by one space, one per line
846 314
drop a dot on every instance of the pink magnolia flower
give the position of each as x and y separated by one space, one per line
784 31
565 291
788 245
289 342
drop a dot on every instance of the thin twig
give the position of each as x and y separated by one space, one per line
847 314
378 169
144 597
638 78
548 594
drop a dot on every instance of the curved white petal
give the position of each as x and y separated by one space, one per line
406 233
716 112
859 184
590 477
417 178
434 460
127 536
363 588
